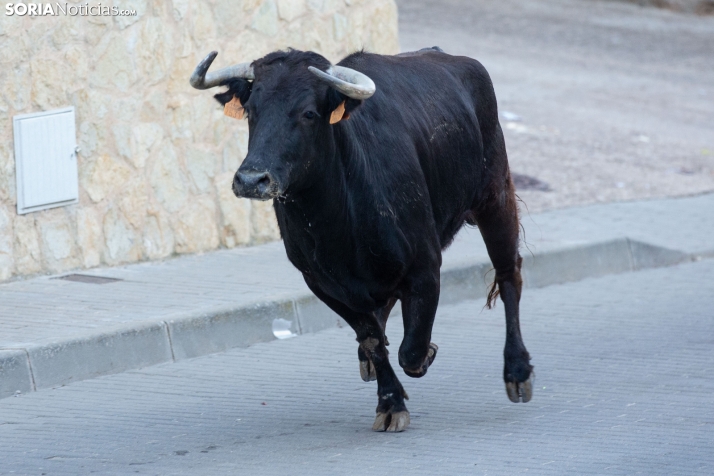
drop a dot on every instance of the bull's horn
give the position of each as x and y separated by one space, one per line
349 82
201 80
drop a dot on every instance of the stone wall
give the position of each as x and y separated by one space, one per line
157 157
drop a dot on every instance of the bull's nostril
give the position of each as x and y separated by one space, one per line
264 181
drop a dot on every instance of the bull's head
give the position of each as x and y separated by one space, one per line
291 100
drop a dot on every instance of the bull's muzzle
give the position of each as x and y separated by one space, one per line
255 185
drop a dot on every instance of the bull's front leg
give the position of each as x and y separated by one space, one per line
392 413
366 367
419 303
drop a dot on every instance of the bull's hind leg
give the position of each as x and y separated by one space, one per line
498 222
392 413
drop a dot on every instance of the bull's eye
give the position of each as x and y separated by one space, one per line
310 115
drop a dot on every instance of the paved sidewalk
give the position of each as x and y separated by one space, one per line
54 332
625 378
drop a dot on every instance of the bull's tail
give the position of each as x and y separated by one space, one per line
492 294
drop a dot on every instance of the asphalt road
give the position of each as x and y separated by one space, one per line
614 101
625 378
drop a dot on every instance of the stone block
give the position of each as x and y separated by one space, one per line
66 30
49 77
202 26
184 47
7 172
17 89
134 202
251 5
355 30
201 164
247 46
7 259
291 9
88 143
121 241
145 136
104 176
123 118
59 244
77 61
181 118
90 105
167 179
219 128
89 234
115 67
330 6
11 26
154 107
158 239
316 5
154 51
264 225
319 37
235 213
97 29
122 139
195 227
203 115
236 148
228 16
339 26
180 8
141 8
383 28
28 255
266 19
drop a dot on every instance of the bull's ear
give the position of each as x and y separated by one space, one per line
234 108
237 88
338 114
341 106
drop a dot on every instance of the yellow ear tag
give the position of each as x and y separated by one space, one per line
337 114
234 108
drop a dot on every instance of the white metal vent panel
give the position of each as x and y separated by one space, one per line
45 160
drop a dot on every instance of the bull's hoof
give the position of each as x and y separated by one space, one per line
430 356
521 391
392 422
367 370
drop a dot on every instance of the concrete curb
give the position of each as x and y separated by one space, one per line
191 334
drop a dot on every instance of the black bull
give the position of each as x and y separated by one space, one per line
365 206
